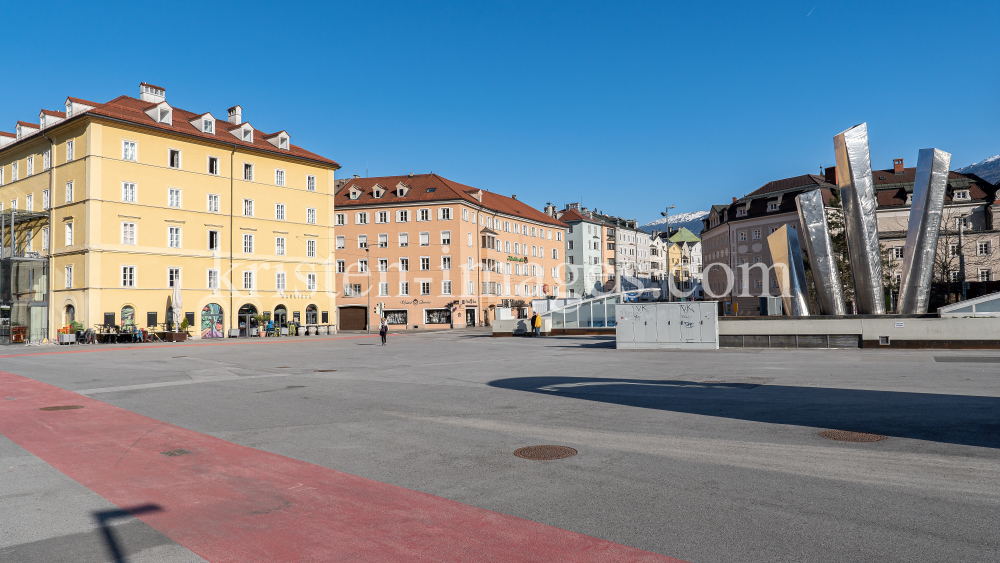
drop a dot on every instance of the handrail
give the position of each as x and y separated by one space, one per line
601 297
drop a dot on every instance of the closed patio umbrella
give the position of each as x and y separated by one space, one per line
178 311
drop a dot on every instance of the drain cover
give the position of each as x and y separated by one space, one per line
324 370
544 453
62 408
845 436
175 453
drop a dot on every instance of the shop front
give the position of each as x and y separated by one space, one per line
24 306
212 321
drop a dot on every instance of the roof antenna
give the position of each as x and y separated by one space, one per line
366 168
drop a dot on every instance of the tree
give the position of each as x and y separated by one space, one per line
838 237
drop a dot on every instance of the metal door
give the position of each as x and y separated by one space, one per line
689 321
625 329
648 316
663 324
709 319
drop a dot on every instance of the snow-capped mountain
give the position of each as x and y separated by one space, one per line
988 169
690 220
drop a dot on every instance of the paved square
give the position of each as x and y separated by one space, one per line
702 456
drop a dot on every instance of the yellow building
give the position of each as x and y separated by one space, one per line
130 197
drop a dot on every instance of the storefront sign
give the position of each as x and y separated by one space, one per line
516 259
415 302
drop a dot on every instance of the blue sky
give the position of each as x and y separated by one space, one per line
628 106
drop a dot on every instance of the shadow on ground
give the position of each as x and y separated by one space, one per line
952 419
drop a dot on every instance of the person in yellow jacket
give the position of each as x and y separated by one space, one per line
536 324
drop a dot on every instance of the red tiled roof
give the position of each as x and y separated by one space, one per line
61 114
572 215
789 183
890 196
273 135
6 134
152 86
82 101
441 189
131 109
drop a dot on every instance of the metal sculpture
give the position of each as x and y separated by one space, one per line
929 188
854 176
784 246
819 247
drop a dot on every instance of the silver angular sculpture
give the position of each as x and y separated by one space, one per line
785 251
929 189
857 190
819 247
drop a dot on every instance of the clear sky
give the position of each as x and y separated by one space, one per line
628 106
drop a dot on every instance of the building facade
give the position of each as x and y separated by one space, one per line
440 254
585 268
140 196
735 234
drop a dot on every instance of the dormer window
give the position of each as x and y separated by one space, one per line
280 140
961 195
161 113
909 199
243 132
378 191
354 193
402 189
772 206
204 123
741 211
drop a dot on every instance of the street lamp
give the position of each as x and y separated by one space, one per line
670 270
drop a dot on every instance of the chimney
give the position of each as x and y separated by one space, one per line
897 165
356 176
513 196
150 93
734 199
830 174
236 115
574 206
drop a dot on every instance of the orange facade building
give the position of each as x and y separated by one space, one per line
439 254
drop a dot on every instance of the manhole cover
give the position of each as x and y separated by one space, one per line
544 453
62 408
845 436
324 370
175 453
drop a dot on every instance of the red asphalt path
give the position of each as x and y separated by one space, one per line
227 502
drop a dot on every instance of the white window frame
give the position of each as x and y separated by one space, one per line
248 280
173 232
404 289
179 161
130 192
341 266
361 218
69 276
403 216
171 200
279 246
69 150
423 215
404 240
212 280
280 281
446 287
127 226
247 207
128 276
425 288
341 242
279 177
310 248
311 215
446 262
175 273
68 234
310 183
247 243
208 165
213 203
125 150
218 239
341 220
444 214
310 282
46 200
245 170
279 211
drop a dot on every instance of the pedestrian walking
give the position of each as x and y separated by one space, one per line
383 329
536 324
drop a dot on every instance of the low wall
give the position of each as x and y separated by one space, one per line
869 331
518 327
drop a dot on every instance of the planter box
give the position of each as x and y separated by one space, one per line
174 336
67 338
